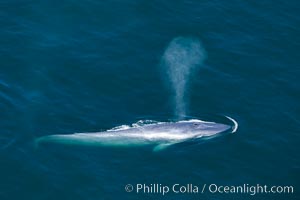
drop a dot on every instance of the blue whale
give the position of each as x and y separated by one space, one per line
159 134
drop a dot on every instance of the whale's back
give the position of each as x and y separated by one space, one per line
161 133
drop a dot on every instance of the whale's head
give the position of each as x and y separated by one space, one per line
203 128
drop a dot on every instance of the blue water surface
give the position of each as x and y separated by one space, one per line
85 66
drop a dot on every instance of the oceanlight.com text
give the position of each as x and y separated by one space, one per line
164 189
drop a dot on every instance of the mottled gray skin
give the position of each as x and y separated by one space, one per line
161 134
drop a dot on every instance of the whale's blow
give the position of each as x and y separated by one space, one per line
182 56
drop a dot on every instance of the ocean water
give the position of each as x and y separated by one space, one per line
86 66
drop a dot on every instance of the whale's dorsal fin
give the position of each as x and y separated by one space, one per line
163 146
